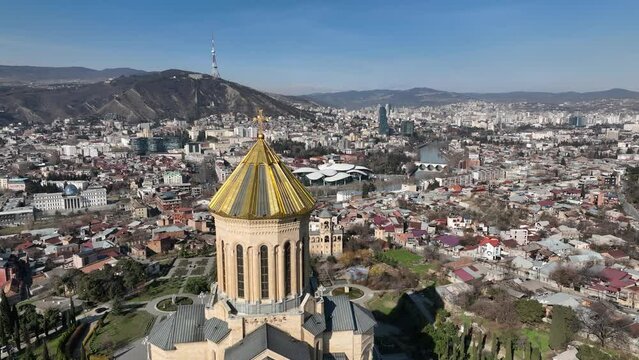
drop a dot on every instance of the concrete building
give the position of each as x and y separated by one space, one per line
263 305
16 216
326 237
172 178
70 199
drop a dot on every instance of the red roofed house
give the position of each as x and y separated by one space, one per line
489 248
615 285
465 274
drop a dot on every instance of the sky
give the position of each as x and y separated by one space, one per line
297 47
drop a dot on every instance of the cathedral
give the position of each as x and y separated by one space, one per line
264 304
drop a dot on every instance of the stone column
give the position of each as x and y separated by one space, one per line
294 277
280 271
271 274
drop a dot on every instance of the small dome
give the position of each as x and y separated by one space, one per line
70 190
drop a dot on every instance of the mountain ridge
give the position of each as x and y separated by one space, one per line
422 96
147 97
26 74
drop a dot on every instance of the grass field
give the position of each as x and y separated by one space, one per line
384 303
119 330
52 344
181 263
409 260
198 270
159 288
538 339
203 262
180 272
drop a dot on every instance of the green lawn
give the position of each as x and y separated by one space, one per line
409 260
538 338
52 343
181 263
159 288
203 262
119 330
384 303
180 272
198 270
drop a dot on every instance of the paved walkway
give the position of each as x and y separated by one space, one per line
190 265
368 293
151 306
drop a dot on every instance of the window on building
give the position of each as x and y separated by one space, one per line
222 278
240 271
264 271
287 268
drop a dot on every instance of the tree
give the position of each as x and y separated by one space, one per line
603 323
562 327
117 306
45 351
586 352
6 317
28 353
508 347
16 335
72 311
133 273
30 320
569 277
196 285
529 311
51 319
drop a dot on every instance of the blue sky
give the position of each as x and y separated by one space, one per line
305 46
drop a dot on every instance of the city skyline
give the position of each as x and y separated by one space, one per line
298 48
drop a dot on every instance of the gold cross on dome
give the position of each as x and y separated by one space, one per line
260 119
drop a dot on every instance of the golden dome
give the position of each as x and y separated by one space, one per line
261 187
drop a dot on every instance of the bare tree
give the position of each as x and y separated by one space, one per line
604 323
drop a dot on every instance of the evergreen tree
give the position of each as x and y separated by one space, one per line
535 354
6 317
72 305
117 306
480 346
508 347
28 353
3 336
26 335
45 351
494 347
16 335
527 350
562 327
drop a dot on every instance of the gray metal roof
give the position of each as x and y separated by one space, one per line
315 324
335 356
271 338
341 314
215 329
188 324
325 214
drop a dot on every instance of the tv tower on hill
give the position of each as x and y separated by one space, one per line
214 72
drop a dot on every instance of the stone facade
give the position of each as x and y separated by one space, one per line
326 237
